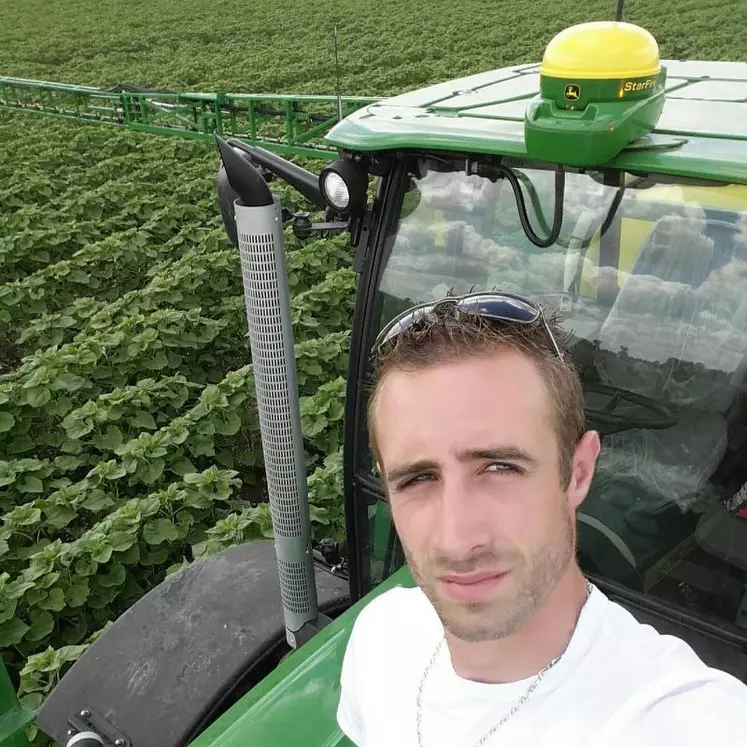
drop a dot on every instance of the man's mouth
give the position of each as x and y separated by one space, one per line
472 586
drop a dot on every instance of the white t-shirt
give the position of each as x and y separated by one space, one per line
619 684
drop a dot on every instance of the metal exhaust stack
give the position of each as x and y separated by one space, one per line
261 246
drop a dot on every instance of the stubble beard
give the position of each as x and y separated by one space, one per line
532 578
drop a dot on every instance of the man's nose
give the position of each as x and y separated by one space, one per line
462 524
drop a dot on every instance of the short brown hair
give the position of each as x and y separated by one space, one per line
448 333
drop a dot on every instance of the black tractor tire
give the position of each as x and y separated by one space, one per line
185 652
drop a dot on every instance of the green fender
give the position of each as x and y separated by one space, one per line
297 702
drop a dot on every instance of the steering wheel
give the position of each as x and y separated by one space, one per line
639 412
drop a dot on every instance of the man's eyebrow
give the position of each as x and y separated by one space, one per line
407 470
496 453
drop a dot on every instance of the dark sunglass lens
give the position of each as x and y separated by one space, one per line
402 324
502 307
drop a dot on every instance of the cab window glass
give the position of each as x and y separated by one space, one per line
649 280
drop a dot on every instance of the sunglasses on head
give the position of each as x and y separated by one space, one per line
506 307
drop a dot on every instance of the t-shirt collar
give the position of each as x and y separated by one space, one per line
581 641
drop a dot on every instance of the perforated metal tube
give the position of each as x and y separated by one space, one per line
262 250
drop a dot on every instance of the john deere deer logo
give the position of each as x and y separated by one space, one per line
572 92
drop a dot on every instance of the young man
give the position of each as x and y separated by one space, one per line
477 427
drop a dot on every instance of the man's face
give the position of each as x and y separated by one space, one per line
470 460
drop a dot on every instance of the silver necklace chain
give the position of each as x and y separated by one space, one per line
523 699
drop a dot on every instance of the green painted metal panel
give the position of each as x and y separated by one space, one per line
697 157
296 704
398 127
13 716
706 69
485 114
520 86
439 92
504 110
725 119
712 90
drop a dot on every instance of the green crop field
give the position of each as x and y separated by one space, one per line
129 443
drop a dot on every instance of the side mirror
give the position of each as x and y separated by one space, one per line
226 197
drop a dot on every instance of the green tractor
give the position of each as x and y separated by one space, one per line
605 183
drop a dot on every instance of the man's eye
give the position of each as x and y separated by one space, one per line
503 467
411 482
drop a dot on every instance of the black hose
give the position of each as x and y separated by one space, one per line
557 221
534 198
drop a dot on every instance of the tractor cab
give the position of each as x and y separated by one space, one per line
617 198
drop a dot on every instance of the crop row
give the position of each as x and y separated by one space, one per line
126 383
122 555
36 233
87 546
221 426
121 422
49 384
202 276
105 269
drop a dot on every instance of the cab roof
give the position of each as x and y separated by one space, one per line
702 131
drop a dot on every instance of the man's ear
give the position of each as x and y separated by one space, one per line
584 462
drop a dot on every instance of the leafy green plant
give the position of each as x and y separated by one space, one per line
128 430
325 489
326 307
24 478
202 276
43 671
128 546
322 417
253 523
